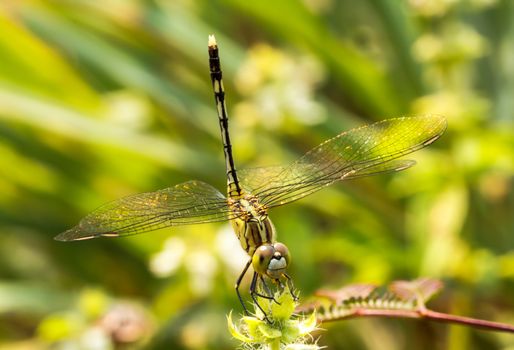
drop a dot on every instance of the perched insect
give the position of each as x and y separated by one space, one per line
359 152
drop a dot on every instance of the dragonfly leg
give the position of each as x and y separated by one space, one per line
254 295
267 290
260 295
291 286
238 283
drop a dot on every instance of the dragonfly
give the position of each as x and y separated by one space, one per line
363 151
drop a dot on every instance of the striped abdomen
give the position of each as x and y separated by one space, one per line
234 189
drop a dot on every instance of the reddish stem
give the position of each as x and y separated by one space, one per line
468 321
430 315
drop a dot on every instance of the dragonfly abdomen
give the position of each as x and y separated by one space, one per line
234 189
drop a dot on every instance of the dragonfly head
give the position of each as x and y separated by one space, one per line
271 260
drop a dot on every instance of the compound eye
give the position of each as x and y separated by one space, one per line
261 258
282 249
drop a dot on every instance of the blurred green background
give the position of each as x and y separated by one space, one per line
102 99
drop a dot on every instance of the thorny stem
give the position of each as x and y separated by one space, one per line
427 314
488 325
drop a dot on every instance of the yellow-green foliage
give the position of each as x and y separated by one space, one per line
103 99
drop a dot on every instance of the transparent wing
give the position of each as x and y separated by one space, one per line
255 180
359 152
191 202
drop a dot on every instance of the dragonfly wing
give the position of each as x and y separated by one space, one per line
254 180
187 203
383 168
355 153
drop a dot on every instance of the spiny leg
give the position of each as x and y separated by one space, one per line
268 297
268 290
254 295
238 283
291 286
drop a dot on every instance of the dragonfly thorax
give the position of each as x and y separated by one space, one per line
248 208
251 224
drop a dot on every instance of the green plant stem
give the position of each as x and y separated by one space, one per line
275 345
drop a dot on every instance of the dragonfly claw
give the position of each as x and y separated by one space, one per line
291 287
